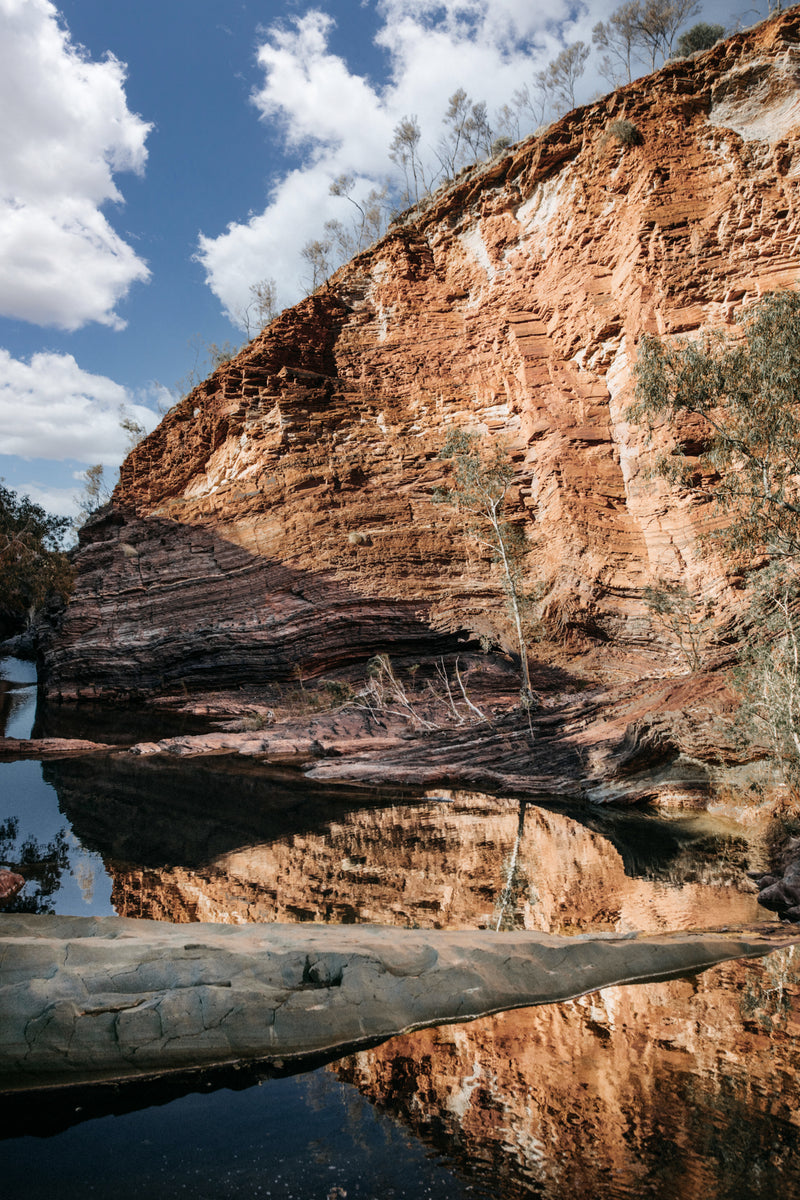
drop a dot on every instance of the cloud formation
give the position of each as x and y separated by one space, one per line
337 121
51 409
66 132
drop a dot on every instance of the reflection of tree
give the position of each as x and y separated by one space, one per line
41 864
517 885
745 1150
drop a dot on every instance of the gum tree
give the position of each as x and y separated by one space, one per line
742 450
481 478
33 565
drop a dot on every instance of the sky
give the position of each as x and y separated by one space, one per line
159 158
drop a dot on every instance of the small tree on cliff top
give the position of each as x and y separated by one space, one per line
481 480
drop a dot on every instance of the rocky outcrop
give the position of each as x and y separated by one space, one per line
281 515
11 884
13 749
85 998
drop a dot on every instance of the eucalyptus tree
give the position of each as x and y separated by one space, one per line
741 450
34 568
481 478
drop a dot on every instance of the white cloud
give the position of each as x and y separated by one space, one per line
59 501
338 121
50 408
66 130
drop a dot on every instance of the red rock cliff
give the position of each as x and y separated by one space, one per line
282 512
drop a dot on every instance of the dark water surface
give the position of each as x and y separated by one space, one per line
678 1089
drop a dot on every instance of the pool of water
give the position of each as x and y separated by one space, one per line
681 1088
291 1139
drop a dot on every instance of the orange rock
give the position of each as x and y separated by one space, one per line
282 513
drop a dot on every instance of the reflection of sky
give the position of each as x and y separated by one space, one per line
85 888
18 705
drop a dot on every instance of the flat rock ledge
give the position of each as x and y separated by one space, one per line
14 749
91 999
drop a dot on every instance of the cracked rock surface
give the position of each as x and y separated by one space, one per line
85 999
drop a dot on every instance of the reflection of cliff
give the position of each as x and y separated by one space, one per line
660 1090
216 841
170 811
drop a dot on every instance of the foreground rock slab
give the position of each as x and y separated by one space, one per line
84 999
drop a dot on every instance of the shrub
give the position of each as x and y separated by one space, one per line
500 144
688 619
701 36
743 392
625 133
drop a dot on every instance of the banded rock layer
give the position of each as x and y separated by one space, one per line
282 513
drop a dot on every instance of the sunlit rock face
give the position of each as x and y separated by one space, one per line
282 515
664 1090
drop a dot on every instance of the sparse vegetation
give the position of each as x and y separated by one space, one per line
261 308
624 132
637 34
701 36
688 619
427 706
636 37
482 476
741 449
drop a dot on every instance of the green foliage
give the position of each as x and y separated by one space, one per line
482 476
625 132
500 144
701 36
768 674
688 619
40 863
737 401
33 567
744 392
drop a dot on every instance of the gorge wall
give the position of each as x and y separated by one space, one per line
282 515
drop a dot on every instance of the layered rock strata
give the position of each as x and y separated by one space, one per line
281 515
85 998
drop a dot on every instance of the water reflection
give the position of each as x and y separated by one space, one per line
217 840
664 1090
667 1090
17 697
292 1139
63 875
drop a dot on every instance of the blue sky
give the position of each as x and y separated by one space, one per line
159 157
